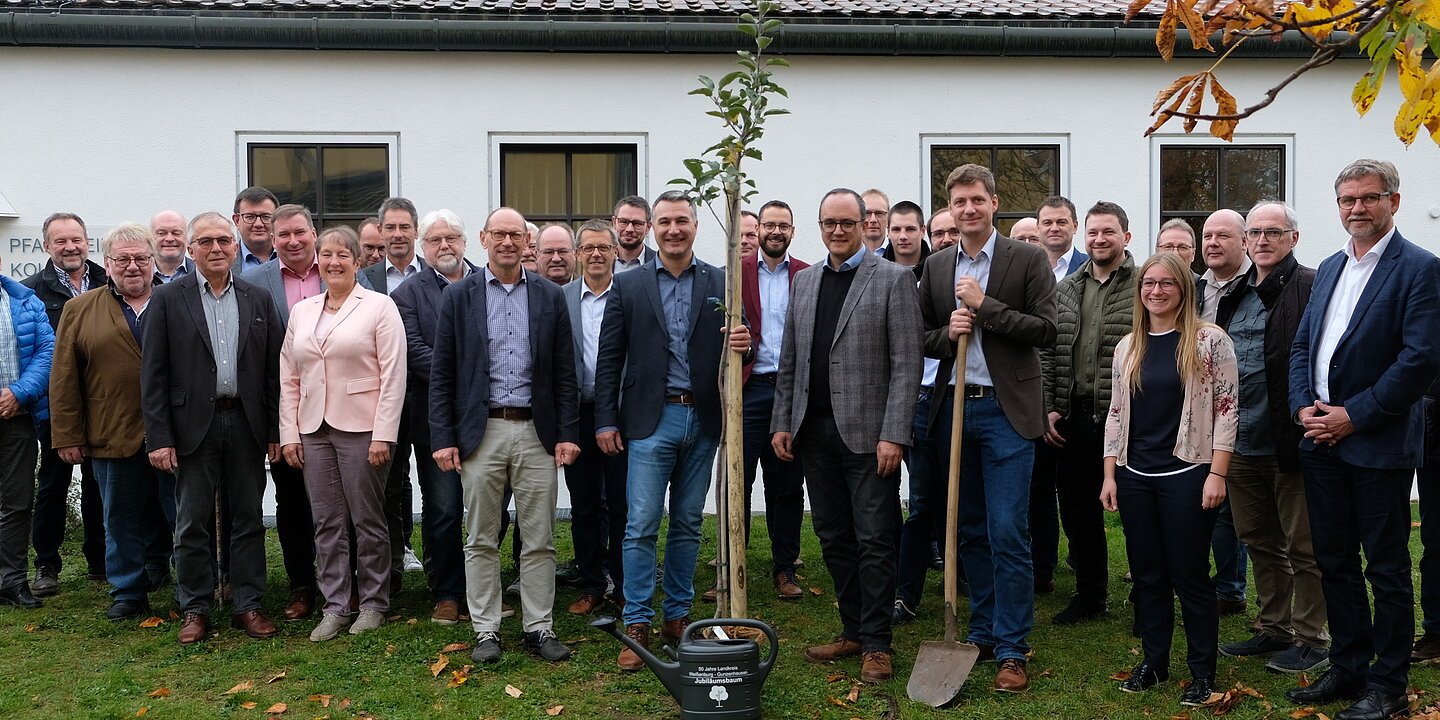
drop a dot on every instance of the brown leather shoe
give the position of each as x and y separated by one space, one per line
672 629
193 628
787 586
711 595
586 604
300 604
630 660
875 667
842 647
447 612
1012 678
255 624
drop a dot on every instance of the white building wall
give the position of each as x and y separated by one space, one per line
117 134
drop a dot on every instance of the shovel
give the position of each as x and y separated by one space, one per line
942 666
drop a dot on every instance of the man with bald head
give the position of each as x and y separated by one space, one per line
877 210
504 410
555 253
171 262
1026 230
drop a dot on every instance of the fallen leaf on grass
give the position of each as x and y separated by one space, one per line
248 705
1247 690
411 621
242 687
438 666
160 692
345 704
553 711
834 677
30 628
1303 712
854 693
276 678
455 647
1047 672
152 622
1226 702
816 591
389 650
173 616
1134 651
836 702
513 691
1304 680
277 708
324 700
457 678
1415 524
1122 676
1180 716
141 712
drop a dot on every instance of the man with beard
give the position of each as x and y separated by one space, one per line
171 262
942 230
66 275
632 223
555 252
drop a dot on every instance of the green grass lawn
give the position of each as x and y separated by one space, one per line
67 661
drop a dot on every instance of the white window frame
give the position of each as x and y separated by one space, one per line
928 142
639 140
244 139
1160 141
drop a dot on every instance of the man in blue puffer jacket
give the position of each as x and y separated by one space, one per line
27 344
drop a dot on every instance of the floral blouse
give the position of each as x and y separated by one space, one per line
1210 414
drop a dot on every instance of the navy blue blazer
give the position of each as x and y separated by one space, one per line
460 366
1385 361
635 322
1077 260
418 301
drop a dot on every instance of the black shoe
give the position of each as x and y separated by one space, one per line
1327 688
1375 705
1198 692
1079 611
567 573
19 595
1300 658
487 648
902 614
47 581
1426 649
1144 677
127 609
546 645
1229 607
1258 644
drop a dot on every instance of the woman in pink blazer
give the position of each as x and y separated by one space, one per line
342 387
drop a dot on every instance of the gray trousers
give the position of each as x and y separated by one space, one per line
228 461
346 490
18 452
1273 520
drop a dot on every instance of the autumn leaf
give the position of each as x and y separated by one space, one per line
1165 35
438 666
553 711
1121 676
1197 96
1135 7
160 692
1194 25
834 677
815 591
854 693
1303 712
242 687
1047 672
324 700
1225 105
458 677
276 678
141 712
30 628
248 705
1169 92
152 622
277 708
455 647
1304 680
345 702
513 691
836 701
1363 96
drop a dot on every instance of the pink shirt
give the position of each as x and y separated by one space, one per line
297 286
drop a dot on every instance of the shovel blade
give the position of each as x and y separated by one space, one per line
941 669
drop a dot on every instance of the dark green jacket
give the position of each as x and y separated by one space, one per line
1117 299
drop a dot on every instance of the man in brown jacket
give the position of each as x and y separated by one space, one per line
95 412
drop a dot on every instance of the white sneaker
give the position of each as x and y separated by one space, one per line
329 627
412 563
367 620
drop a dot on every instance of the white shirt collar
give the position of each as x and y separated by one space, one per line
1377 251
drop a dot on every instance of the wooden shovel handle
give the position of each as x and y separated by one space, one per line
952 493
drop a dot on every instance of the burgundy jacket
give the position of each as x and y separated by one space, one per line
750 296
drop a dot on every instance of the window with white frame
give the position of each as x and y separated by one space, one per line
567 179
1197 178
1027 170
342 179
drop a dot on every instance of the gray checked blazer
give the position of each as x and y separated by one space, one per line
875 357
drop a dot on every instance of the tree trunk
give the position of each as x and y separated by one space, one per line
734 427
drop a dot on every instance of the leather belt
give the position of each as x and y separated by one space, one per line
511 413
229 403
974 392
768 378
684 398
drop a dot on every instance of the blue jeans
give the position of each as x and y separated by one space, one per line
677 456
995 467
442 510
139 504
1230 556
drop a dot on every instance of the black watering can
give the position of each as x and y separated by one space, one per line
711 679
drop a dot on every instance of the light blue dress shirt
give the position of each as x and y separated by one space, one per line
774 303
978 267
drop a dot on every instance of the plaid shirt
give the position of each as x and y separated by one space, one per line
9 351
70 287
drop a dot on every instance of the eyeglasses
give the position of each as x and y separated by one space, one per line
772 227
555 252
622 222
1270 234
1173 247
205 243
1346 201
137 260
876 213
830 225
949 232
1027 238
503 235
252 217
592 249
435 241
1167 285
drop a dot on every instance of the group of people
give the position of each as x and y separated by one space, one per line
1263 391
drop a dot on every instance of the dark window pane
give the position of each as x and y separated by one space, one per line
534 183
944 159
292 173
1024 177
1188 178
1252 174
357 179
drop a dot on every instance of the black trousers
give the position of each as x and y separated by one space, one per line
1082 472
398 498
1044 515
294 525
1353 509
784 481
1167 535
52 503
856 514
597 508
